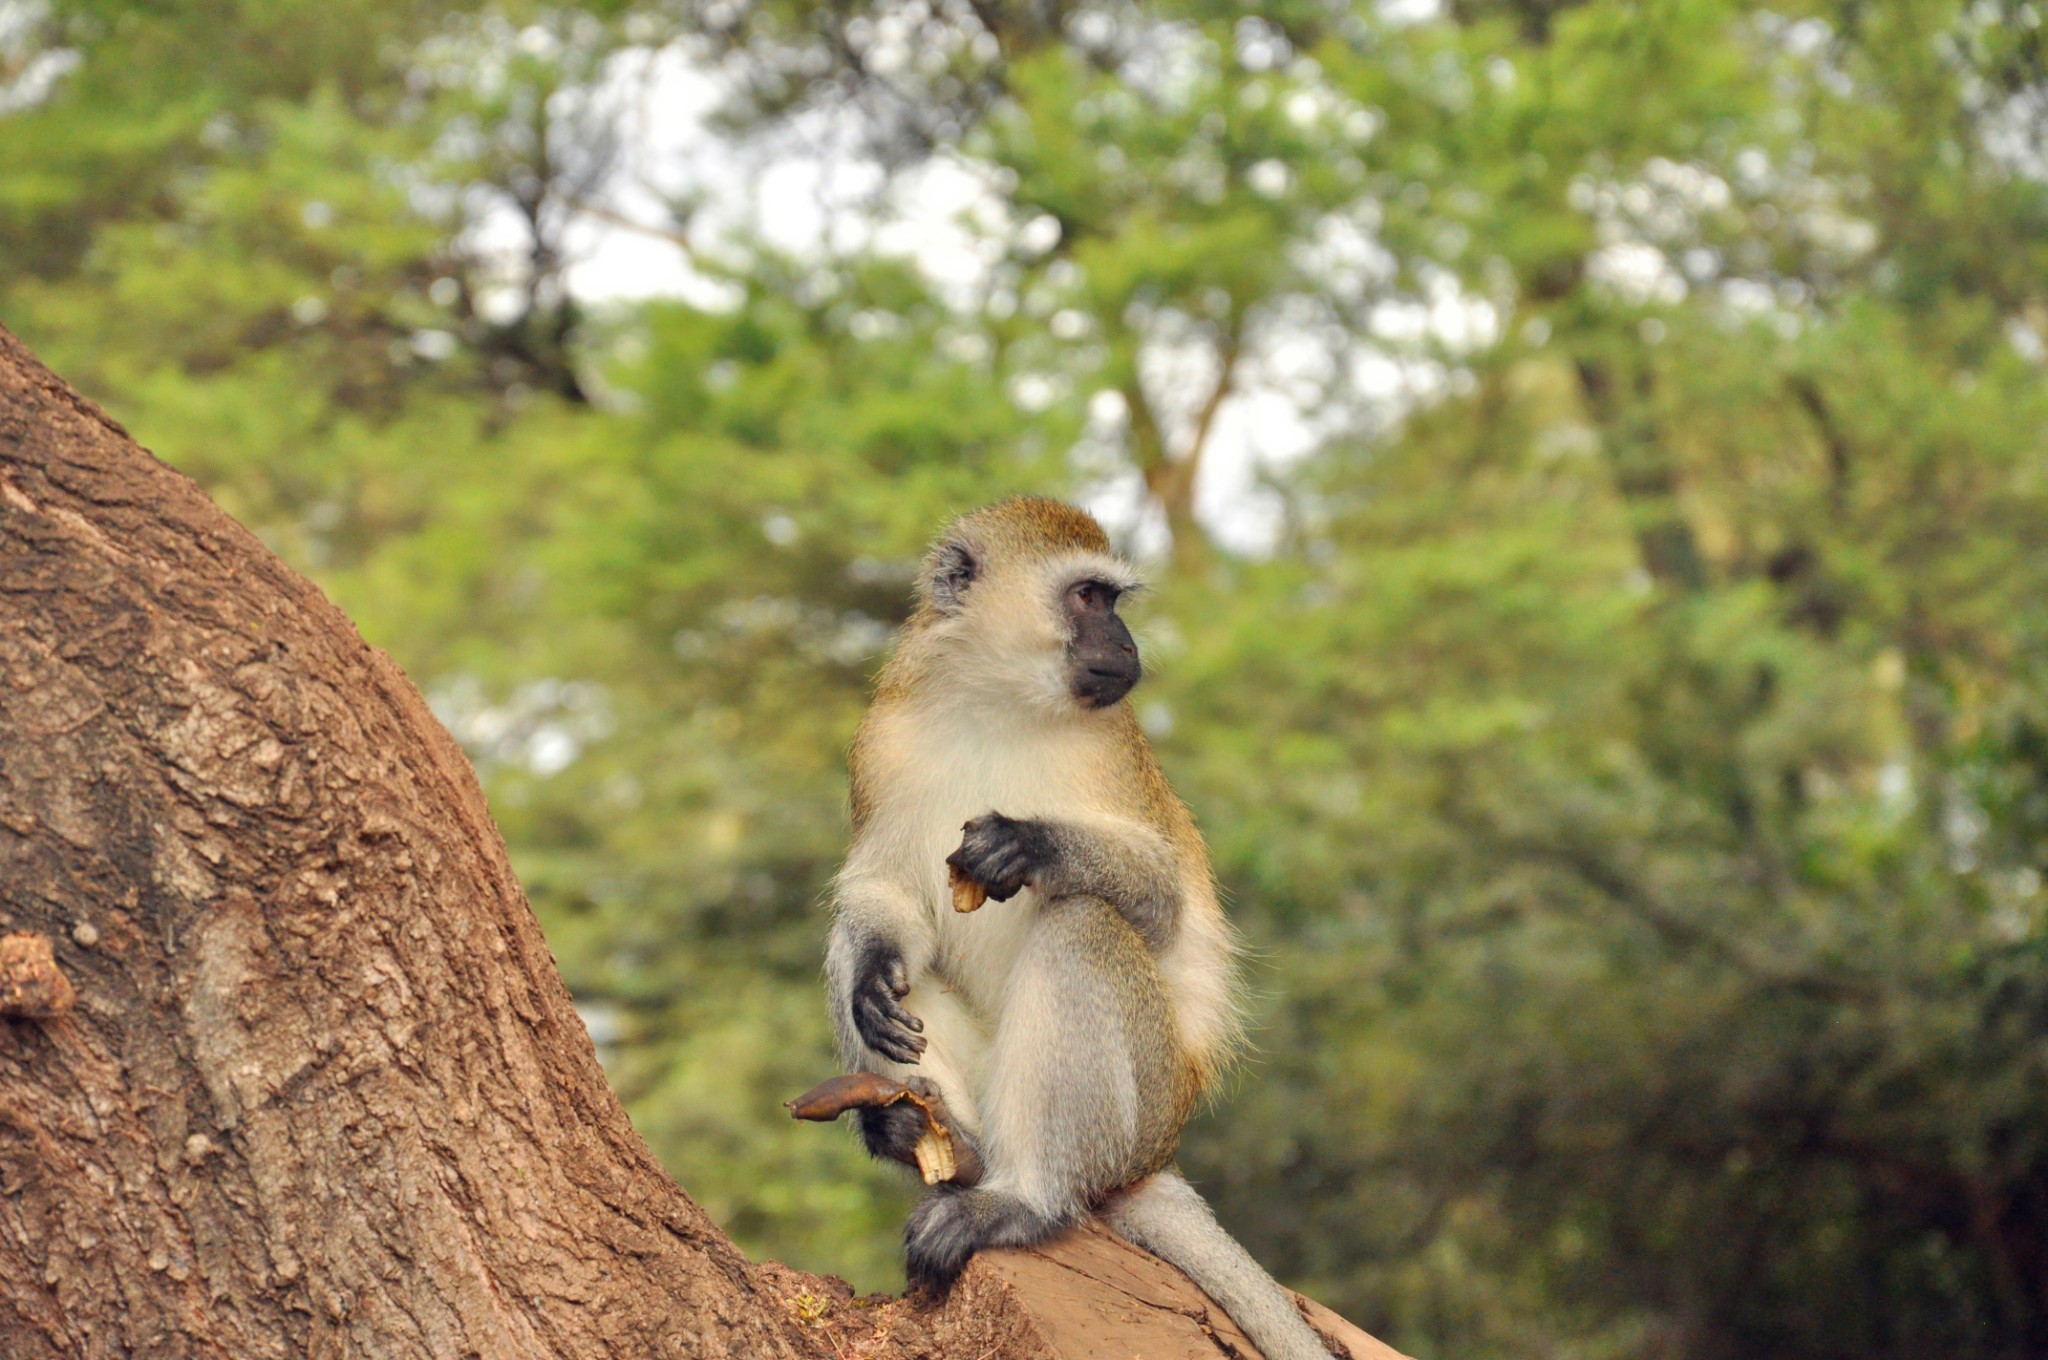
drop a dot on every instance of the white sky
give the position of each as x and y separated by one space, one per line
790 201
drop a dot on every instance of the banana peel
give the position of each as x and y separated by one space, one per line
939 1156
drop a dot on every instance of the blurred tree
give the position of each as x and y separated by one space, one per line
1627 746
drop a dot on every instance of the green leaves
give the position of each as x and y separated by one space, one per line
1625 756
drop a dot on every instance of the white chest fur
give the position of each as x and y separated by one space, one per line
955 767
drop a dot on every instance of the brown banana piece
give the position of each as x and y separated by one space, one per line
936 1152
967 894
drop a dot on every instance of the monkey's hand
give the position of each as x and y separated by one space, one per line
879 985
1003 854
895 1133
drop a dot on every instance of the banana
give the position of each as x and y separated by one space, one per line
937 1155
967 894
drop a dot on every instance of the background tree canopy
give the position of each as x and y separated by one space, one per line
1595 461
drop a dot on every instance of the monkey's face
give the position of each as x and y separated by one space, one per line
1032 625
1051 625
1102 658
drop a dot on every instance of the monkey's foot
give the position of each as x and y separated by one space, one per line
949 1226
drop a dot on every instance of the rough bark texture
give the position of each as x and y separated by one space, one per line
316 1088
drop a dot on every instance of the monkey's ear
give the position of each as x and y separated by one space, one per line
953 570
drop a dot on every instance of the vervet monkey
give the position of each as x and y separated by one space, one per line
1069 1029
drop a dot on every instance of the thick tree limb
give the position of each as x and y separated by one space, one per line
321 1091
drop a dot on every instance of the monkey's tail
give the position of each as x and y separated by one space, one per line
1165 1215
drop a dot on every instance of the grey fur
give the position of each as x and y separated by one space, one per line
949 1226
1092 1069
1105 1110
1138 875
1169 1219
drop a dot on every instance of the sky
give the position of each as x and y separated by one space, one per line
800 197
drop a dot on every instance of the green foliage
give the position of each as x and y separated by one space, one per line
1629 757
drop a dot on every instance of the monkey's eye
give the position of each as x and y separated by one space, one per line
1092 597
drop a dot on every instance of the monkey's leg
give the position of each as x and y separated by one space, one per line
1085 1091
954 1054
893 1015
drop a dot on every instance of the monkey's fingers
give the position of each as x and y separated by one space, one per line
888 1028
1000 876
894 1013
968 895
897 1046
898 1012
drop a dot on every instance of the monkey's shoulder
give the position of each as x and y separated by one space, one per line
1147 793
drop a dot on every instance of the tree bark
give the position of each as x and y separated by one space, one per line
308 1083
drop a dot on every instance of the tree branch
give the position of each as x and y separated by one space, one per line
315 1087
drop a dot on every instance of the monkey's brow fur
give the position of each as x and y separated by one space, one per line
1032 522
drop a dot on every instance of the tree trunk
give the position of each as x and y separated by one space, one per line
314 1087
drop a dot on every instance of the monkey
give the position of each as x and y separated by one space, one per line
1069 1027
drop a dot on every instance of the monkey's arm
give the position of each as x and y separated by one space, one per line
1125 863
880 942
